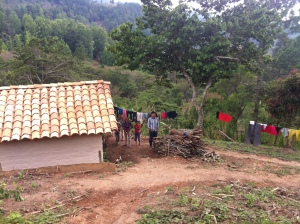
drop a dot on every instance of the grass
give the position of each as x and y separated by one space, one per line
247 204
45 217
269 151
122 167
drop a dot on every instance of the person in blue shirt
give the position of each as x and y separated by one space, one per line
153 125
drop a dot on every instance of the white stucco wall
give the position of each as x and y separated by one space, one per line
28 154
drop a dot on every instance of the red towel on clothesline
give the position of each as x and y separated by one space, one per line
269 129
164 115
224 117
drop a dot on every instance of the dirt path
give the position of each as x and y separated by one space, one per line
114 198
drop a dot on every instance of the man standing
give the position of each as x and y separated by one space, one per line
153 124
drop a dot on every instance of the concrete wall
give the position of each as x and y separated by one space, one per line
28 154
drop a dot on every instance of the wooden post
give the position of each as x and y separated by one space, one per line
0 167
168 146
101 156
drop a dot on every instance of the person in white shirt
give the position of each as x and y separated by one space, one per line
153 125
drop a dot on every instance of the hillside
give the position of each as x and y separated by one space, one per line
85 11
82 25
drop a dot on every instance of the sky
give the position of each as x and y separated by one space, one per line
175 2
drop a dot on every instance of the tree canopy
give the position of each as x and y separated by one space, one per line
200 45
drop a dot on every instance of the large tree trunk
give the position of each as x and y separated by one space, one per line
199 108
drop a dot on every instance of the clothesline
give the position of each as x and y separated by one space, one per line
270 129
141 116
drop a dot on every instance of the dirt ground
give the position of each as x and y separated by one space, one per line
116 197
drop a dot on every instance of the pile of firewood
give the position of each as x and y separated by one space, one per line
211 157
182 143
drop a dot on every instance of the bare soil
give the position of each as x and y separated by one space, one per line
115 197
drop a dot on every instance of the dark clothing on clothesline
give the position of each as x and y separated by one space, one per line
278 130
172 114
256 135
132 115
116 110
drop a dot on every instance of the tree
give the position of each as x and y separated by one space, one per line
288 57
28 24
14 24
100 41
282 99
41 61
200 45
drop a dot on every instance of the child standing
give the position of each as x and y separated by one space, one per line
117 133
127 132
137 132
120 120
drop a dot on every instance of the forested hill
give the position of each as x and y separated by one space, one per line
82 25
86 11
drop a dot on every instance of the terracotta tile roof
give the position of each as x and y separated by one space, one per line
55 110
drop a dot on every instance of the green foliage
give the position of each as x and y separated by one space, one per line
288 57
40 61
195 44
46 217
182 200
6 194
247 204
164 216
14 218
85 11
282 98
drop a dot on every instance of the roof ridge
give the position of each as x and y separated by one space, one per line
50 85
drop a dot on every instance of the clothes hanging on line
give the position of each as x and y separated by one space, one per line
145 116
139 117
285 132
270 129
278 130
116 110
253 134
124 113
121 111
293 132
224 117
131 115
172 114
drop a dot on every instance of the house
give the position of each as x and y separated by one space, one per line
54 124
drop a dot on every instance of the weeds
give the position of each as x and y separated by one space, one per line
183 200
35 185
170 188
247 204
122 167
6 194
21 175
269 151
17 218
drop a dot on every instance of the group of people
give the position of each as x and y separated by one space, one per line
125 129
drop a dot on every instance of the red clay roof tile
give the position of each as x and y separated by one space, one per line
48 110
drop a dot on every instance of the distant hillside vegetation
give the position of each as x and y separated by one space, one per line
85 11
80 25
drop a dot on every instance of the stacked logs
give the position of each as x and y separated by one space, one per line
181 143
